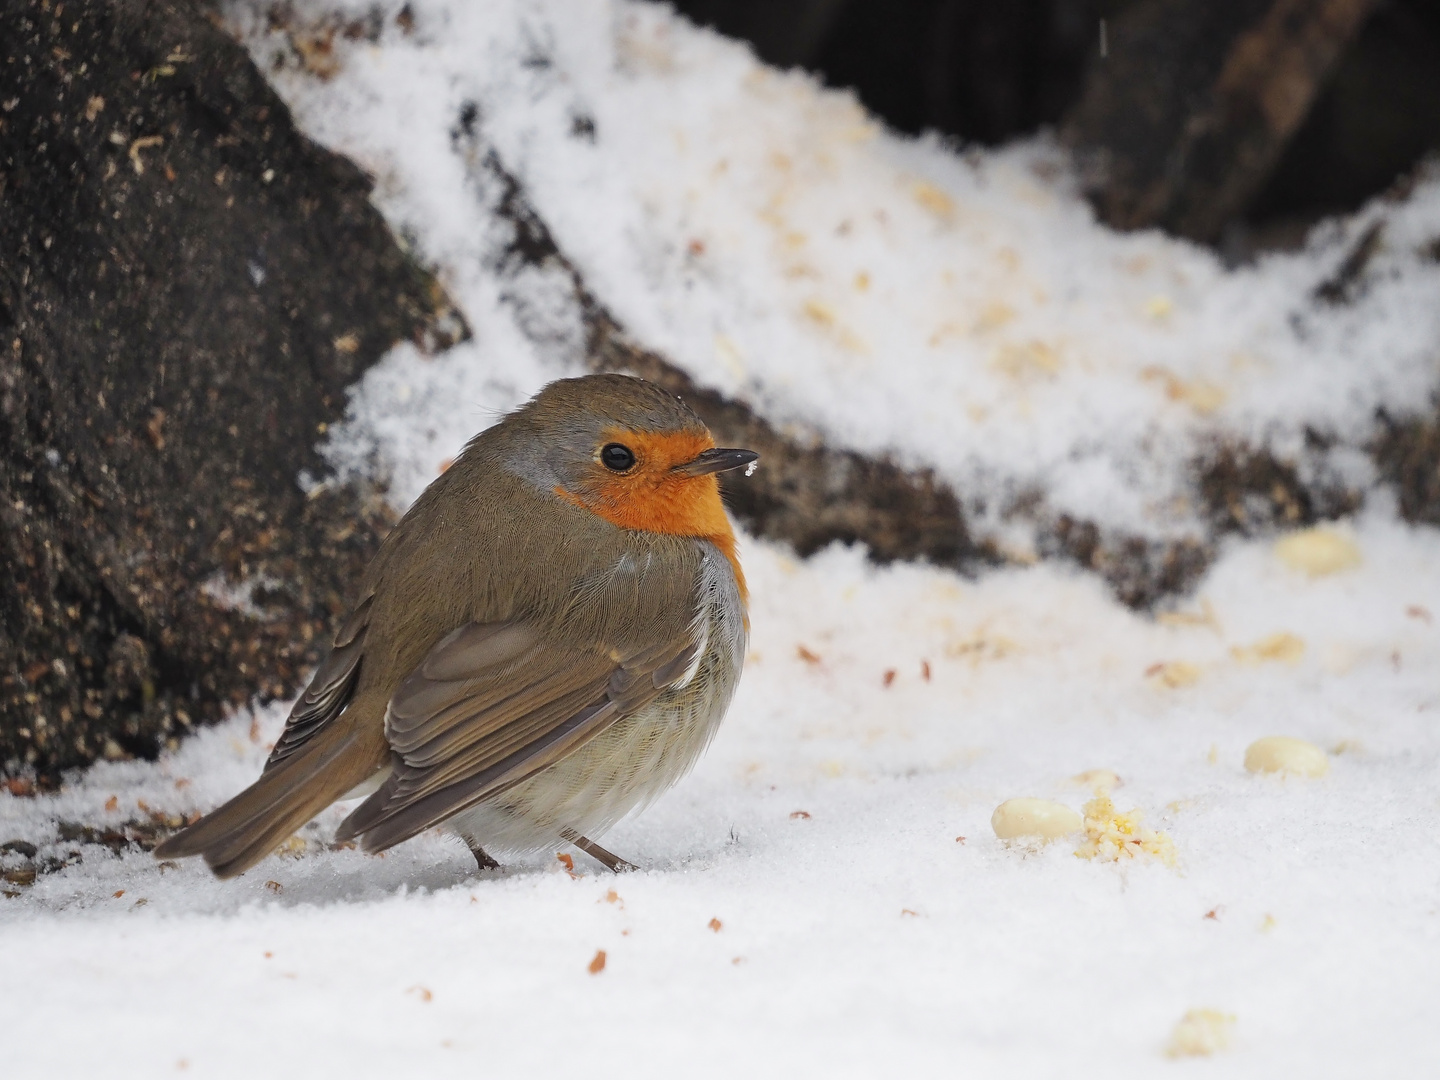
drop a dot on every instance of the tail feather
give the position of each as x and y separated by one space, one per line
239 834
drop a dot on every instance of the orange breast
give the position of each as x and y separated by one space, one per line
652 498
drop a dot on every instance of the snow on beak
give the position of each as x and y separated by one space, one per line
717 460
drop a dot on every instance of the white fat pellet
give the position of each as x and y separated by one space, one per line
1200 1033
1282 754
1318 551
1034 819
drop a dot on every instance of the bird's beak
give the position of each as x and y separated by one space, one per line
716 460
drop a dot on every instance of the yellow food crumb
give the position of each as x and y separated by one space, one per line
994 315
1159 307
1205 617
1202 396
1032 359
1111 836
936 201
1100 781
1285 647
820 312
1200 1033
1175 674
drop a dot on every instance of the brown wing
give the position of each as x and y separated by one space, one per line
491 705
330 687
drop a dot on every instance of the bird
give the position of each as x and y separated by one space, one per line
545 642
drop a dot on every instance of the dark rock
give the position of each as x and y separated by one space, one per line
1184 120
1408 455
187 287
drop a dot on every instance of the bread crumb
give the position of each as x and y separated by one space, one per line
1111 836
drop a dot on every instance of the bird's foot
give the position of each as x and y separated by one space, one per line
611 862
482 858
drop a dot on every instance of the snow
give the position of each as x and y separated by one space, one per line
857 934
961 310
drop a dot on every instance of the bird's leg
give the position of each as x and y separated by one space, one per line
613 863
482 857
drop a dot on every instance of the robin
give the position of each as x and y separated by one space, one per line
546 641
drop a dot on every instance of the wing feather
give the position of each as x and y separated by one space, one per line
493 704
330 688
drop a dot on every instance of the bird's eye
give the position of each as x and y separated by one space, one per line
617 458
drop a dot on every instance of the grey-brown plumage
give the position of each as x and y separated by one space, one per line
543 643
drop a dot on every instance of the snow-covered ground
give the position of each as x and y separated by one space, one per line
825 892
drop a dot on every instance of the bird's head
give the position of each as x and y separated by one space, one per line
631 453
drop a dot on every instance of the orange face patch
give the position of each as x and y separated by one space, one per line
651 497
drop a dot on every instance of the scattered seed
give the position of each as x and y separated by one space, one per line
597 965
1283 754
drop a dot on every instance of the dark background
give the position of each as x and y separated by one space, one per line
986 71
